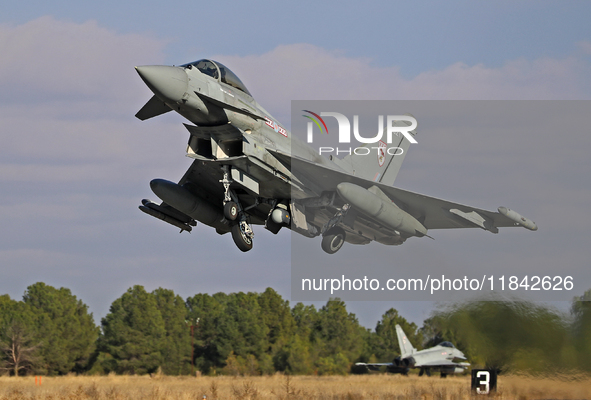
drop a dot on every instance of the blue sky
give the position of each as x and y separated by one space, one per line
75 162
417 36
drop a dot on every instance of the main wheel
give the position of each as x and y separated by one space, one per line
231 210
242 240
333 240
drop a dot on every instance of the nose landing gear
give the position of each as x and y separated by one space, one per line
231 211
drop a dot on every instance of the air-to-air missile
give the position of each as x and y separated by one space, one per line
169 215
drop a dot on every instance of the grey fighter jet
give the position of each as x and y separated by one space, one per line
436 359
249 170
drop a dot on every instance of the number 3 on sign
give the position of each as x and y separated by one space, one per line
484 381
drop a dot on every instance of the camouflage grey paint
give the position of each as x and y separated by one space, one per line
245 160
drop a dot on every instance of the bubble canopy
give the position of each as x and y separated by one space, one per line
215 70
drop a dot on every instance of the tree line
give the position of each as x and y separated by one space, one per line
51 332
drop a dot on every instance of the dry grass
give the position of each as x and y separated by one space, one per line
280 387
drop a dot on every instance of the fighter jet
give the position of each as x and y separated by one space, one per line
437 359
249 170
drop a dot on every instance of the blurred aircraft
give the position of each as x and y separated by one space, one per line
249 170
435 359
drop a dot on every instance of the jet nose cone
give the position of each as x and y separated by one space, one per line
168 83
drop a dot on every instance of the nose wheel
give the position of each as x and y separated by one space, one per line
231 211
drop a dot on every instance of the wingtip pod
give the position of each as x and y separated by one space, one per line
518 218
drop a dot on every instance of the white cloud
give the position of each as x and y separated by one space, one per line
305 71
46 59
68 95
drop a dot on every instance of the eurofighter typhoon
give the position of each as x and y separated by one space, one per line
249 170
438 358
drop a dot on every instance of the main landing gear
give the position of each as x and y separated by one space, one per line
333 240
333 236
242 233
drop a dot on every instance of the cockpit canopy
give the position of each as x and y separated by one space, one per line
215 69
447 344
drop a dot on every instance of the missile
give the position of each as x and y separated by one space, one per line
182 199
171 212
518 218
381 210
166 218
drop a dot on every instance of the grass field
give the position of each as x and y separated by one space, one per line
279 387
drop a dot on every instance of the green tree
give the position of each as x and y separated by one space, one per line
280 327
246 333
337 364
275 314
294 357
208 311
506 335
580 303
305 318
176 348
234 326
581 330
63 326
18 347
340 336
134 334
386 344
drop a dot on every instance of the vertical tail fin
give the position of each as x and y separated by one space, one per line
406 348
379 163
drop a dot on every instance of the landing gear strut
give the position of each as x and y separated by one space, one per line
242 233
333 237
